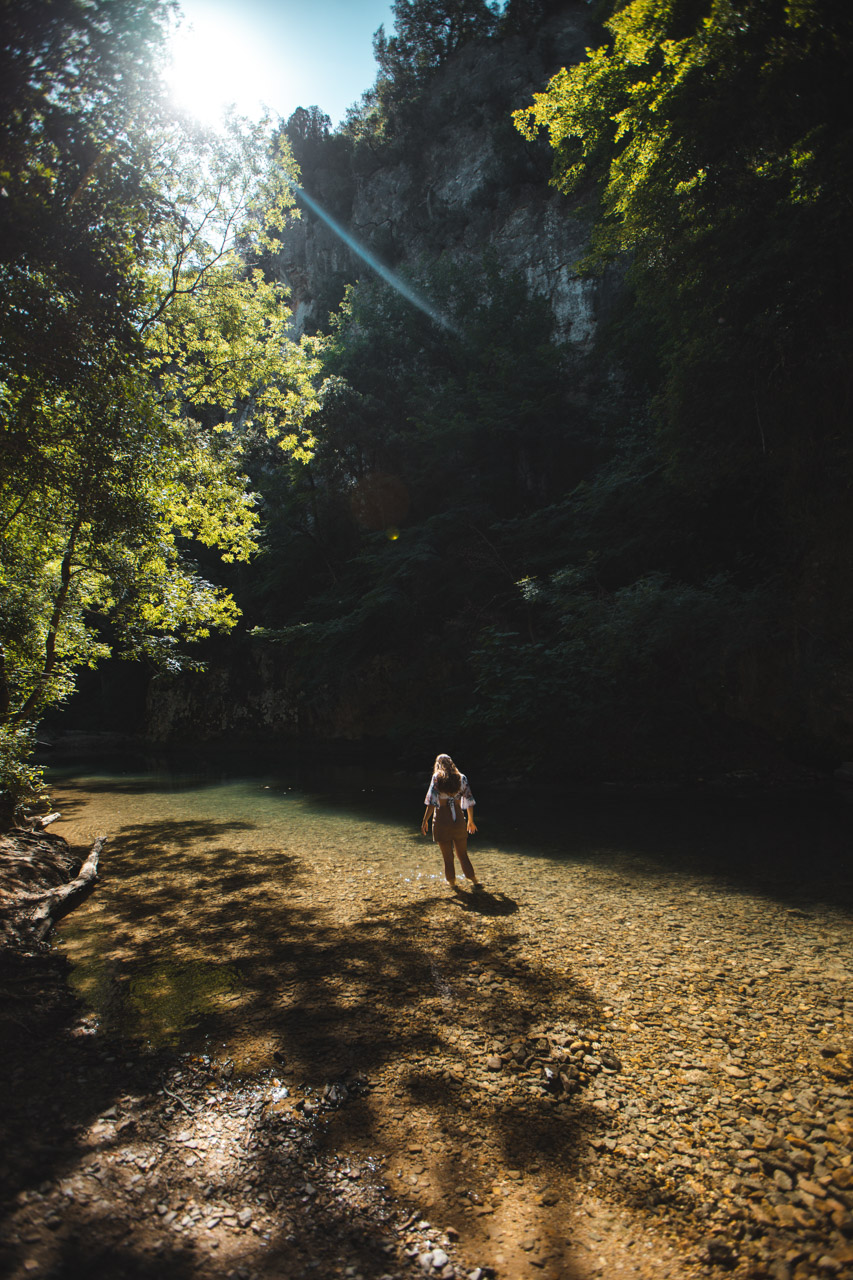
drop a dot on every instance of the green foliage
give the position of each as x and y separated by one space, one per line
22 788
308 130
719 138
379 547
525 17
714 139
598 562
633 561
425 35
636 678
137 343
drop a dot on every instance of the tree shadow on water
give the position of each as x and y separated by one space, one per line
200 941
413 998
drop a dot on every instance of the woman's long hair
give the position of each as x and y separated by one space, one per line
447 776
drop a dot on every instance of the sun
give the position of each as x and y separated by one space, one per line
216 65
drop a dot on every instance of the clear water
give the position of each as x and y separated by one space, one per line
217 884
194 913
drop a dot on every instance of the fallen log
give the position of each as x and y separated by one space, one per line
57 902
40 823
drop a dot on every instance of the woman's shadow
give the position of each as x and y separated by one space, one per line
484 903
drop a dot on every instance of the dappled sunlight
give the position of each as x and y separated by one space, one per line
292 1025
285 962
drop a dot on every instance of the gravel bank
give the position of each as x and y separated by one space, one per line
604 1069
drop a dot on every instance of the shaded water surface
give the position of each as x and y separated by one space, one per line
211 898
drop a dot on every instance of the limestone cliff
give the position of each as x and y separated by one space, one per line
250 697
458 181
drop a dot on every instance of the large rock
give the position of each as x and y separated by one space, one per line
461 181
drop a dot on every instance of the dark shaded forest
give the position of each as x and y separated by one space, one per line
622 552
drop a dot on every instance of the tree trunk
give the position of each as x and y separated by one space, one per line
39 824
57 902
31 706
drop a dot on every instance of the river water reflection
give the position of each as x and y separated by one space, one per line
185 921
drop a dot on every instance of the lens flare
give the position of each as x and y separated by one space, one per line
405 290
380 501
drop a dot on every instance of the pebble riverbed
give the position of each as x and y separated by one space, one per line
612 1068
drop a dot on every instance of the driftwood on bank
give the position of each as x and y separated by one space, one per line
40 880
56 902
39 824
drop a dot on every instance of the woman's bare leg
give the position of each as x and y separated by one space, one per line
449 865
464 860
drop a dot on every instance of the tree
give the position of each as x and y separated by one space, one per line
308 129
711 143
137 341
379 552
425 35
719 138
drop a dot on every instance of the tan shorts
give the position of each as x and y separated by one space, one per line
445 830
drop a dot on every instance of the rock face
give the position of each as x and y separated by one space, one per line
237 700
253 698
459 181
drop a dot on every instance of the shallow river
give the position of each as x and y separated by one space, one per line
173 946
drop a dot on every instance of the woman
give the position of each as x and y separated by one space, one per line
449 803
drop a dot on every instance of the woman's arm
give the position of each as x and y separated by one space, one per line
428 812
468 803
